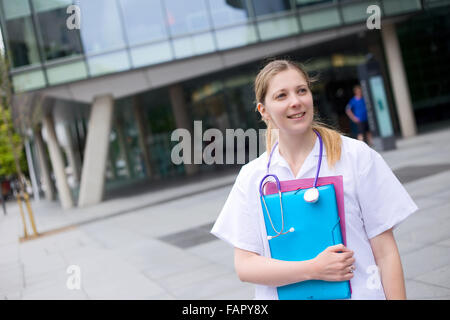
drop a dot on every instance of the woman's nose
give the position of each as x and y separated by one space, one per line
295 100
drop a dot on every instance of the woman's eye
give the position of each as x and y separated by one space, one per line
302 90
281 95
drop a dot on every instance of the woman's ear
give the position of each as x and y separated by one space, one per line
262 111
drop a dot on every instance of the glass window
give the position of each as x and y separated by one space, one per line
236 37
101 28
193 45
263 7
66 72
241 97
400 6
207 103
57 40
320 19
46 5
144 20
16 9
307 3
186 16
151 54
129 159
120 167
275 28
225 12
356 11
20 34
425 40
28 81
160 123
108 63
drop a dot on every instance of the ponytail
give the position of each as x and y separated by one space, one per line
331 139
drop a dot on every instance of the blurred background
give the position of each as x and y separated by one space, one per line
99 85
165 63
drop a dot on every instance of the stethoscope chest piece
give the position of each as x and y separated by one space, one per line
311 195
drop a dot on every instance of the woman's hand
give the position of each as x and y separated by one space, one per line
335 263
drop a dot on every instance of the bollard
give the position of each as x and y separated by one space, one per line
19 201
26 199
30 212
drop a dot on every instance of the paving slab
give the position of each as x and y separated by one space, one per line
439 277
425 260
420 291
190 277
204 290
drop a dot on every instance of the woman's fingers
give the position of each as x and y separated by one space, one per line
348 276
348 266
338 248
349 261
345 255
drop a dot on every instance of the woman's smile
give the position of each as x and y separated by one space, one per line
297 116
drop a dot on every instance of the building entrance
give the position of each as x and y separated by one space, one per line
339 93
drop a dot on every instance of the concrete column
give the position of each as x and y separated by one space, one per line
398 80
96 151
142 135
181 118
44 167
57 161
33 178
72 157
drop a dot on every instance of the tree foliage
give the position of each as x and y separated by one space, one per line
10 140
7 165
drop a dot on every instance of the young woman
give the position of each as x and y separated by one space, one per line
374 200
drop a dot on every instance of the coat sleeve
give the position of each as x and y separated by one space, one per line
237 223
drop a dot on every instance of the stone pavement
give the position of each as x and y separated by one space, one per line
148 246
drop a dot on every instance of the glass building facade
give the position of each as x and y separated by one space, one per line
220 100
220 104
425 40
120 35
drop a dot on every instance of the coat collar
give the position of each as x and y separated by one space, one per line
310 161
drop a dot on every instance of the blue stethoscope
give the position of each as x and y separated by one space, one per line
311 195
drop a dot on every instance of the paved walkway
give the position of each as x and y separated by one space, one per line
148 247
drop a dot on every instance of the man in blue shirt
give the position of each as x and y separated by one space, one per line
356 111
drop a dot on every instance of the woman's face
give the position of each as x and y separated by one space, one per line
288 103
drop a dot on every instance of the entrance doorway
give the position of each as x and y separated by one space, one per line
339 94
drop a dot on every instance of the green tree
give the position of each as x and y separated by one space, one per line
7 165
9 137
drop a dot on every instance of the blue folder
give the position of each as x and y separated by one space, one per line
316 228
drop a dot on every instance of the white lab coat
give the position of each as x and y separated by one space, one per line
374 201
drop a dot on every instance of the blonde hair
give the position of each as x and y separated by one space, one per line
330 136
